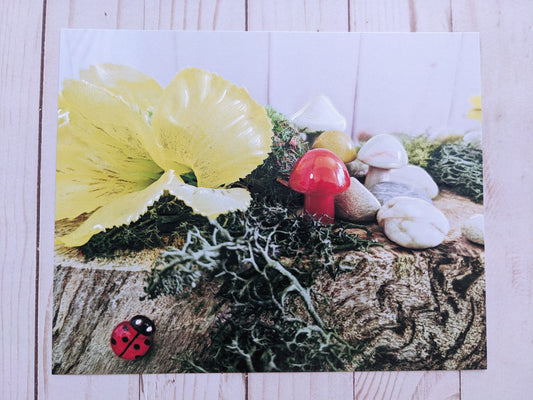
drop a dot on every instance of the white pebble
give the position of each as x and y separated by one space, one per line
413 223
474 229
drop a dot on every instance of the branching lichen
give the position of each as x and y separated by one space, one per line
266 261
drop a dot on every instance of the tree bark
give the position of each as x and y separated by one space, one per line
414 310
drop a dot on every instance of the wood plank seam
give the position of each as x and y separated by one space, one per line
38 206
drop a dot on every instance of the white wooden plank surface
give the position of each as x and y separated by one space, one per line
298 15
381 83
407 385
193 386
240 59
419 84
506 53
506 38
316 386
305 65
20 36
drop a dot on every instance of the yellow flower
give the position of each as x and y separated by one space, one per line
475 112
123 141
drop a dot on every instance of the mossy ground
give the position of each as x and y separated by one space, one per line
266 261
452 163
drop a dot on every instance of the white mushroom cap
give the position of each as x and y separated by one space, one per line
319 114
383 151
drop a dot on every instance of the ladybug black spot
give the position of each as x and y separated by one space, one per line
125 328
113 341
147 342
124 339
136 346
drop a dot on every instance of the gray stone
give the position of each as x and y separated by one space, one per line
357 168
384 191
410 175
356 203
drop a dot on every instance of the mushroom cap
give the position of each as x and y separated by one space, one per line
383 151
319 171
319 114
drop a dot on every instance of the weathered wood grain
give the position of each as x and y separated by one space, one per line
298 15
419 310
415 310
407 385
195 386
20 50
89 303
316 386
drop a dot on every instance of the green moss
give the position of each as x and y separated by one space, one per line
453 164
419 149
165 221
458 167
288 145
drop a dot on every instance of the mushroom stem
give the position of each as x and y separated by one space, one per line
321 207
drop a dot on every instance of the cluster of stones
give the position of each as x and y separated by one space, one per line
396 194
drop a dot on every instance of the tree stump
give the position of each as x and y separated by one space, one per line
413 309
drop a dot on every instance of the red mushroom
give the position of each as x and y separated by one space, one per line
320 175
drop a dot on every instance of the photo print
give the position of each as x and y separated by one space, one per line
268 202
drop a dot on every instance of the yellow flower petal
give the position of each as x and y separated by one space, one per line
475 112
101 150
476 102
211 126
210 202
139 90
129 207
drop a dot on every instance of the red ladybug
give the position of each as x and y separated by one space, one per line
132 339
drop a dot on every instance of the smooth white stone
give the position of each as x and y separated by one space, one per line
356 203
412 175
474 229
383 151
319 114
413 223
